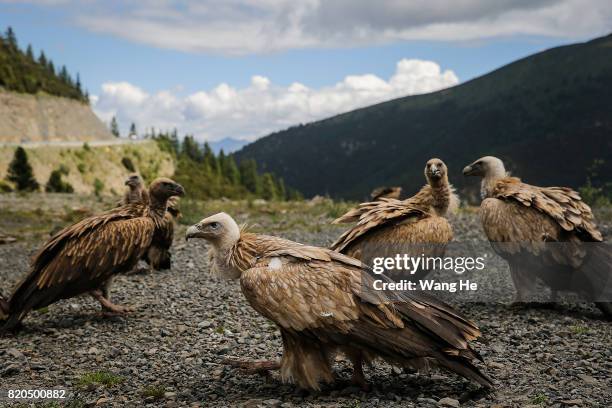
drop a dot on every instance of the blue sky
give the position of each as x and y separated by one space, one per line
197 60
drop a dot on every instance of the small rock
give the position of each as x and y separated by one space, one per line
205 324
272 403
15 353
11 369
572 402
448 402
587 379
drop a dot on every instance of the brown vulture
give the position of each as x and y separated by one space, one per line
414 226
83 257
136 192
316 296
547 233
158 256
385 192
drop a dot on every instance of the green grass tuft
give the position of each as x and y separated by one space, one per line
154 391
105 378
539 399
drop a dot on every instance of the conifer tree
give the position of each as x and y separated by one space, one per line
268 187
30 53
20 172
114 127
133 130
249 177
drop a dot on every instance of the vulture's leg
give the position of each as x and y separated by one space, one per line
254 367
520 279
107 305
358 378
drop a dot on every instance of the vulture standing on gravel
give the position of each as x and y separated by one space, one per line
81 258
413 226
543 232
158 256
317 298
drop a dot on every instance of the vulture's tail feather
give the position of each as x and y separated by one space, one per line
465 368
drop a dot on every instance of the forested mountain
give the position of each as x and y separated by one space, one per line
21 71
549 116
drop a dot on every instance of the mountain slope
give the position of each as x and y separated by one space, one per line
548 115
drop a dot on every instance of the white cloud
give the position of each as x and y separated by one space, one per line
237 27
262 107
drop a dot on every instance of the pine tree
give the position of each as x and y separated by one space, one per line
280 188
210 160
42 59
78 84
114 127
230 170
11 39
249 177
30 53
133 130
268 187
20 172
55 184
51 67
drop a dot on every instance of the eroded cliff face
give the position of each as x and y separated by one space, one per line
45 118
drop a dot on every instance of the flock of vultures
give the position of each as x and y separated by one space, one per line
315 295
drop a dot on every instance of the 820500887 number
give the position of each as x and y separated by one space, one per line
35 394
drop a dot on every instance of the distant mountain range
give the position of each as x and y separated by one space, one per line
549 116
229 145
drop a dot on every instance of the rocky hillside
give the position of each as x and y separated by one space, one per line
99 167
45 118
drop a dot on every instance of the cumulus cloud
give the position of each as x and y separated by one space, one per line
235 27
262 107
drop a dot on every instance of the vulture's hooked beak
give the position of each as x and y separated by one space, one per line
435 171
469 170
194 232
179 190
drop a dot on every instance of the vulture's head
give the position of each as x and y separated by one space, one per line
435 170
164 188
486 167
220 230
133 182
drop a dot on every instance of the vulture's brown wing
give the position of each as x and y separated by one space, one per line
562 204
374 215
81 257
323 295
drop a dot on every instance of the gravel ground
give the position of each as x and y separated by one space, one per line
169 352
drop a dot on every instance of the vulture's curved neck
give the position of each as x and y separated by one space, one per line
487 185
134 196
157 208
441 195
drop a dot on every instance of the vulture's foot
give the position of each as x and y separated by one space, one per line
108 307
254 367
358 378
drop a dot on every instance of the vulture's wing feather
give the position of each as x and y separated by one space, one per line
81 257
562 204
375 215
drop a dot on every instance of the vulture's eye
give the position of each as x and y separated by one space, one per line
214 225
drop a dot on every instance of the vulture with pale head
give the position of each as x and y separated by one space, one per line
414 226
83 257
320 300
386 192
158 256
547 233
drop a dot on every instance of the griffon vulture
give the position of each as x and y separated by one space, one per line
81 258
385 192
316 297
158 256
543 232
413 226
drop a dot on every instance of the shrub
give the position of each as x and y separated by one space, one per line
56 184
128 164
98 186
